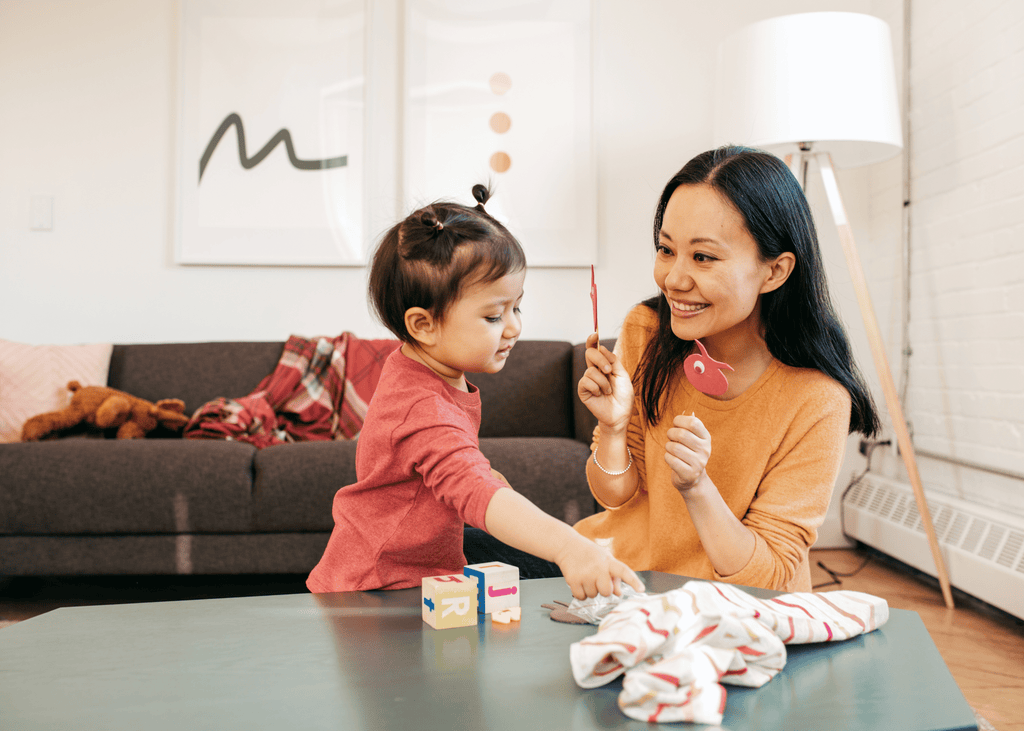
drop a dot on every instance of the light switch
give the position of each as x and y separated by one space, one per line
41 213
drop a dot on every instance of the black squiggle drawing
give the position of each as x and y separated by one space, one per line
283 135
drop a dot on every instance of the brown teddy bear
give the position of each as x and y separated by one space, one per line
107 408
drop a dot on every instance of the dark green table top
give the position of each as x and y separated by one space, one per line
367 661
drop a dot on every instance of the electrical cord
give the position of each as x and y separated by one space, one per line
837 576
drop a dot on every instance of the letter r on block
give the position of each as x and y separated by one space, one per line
457 604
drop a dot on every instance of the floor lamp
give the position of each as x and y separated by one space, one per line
816 88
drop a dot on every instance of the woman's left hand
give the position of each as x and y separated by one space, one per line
687 451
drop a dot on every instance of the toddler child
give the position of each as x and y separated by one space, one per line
447 281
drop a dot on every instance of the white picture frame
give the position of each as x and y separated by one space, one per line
284 72
501 93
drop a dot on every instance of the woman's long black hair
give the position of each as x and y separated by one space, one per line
800 324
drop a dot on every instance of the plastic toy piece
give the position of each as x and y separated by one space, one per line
505 616
705 373
449 601
593 298
497 585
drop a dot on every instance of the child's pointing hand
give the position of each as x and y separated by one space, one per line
590 569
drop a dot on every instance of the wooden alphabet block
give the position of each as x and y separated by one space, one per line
449 601
497 585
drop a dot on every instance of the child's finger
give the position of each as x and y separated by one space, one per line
629 576
576 589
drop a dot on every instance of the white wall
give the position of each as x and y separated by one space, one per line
965 399
88 103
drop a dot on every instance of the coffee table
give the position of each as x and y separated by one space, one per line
366 660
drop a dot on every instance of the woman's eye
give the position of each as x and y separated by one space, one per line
701 258
493 318
517 310
663 250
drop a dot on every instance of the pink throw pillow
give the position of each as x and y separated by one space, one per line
34 379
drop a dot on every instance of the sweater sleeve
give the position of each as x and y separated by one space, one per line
793 496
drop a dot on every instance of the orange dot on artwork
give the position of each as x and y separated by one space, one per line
500 83
501 122
500 162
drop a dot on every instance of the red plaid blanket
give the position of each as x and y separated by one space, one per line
319 391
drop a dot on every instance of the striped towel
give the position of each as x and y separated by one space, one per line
318 391
677 648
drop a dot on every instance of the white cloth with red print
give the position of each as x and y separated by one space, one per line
677 648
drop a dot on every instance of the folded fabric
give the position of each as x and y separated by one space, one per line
318 391
677 648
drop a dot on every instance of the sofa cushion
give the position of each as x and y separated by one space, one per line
538 373
294 484
551 473
96 486
218 553
193 372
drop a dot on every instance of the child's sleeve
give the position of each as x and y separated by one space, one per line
445 452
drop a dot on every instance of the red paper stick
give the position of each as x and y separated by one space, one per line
593 298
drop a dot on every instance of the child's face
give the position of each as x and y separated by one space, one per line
708 266
480 328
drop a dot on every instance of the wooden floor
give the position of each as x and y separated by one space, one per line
984 648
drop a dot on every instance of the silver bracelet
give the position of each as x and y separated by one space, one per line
614 474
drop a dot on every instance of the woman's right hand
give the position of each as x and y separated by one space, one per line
606 388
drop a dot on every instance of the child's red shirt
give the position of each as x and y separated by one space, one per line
420 475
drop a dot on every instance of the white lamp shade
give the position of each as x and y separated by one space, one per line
823 78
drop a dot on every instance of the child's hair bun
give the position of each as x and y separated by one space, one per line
482 194
429 219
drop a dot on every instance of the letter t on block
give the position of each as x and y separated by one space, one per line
449 601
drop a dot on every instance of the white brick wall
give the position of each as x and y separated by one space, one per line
965 396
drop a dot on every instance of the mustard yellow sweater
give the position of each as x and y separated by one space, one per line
776 451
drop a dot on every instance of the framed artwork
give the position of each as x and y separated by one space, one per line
272 132
500 93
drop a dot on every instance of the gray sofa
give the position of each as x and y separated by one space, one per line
166 505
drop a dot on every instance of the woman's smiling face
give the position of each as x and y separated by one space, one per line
709 267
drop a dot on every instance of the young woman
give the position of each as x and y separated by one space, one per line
738 267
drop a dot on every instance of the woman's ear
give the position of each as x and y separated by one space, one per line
421 325
781 268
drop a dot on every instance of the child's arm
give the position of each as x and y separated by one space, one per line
588 568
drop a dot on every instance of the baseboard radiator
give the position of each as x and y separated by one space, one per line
983 549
